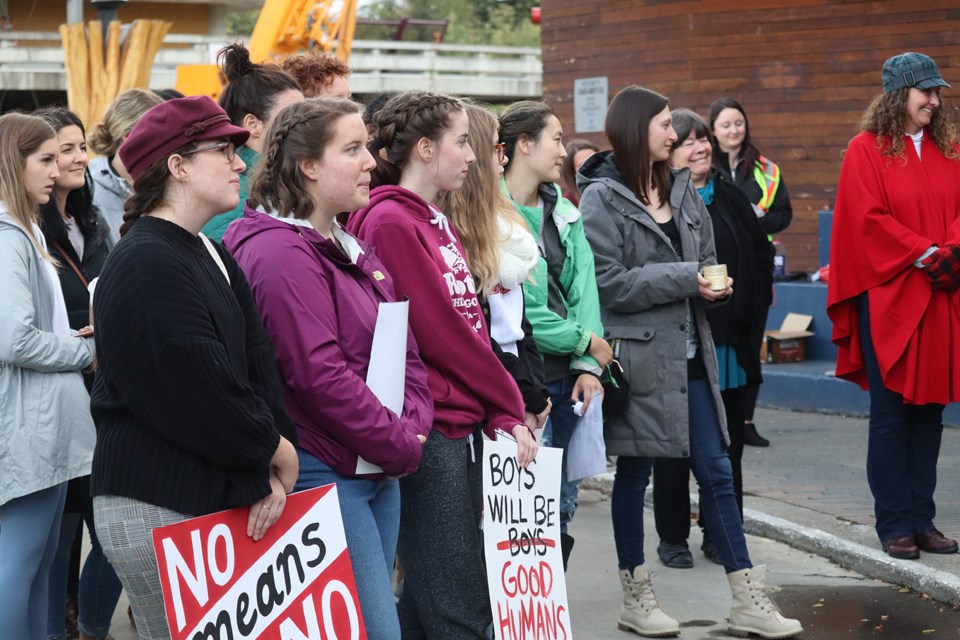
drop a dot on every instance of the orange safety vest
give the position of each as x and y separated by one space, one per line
767 175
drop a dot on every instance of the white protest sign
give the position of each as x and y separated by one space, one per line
387 371
294 584
521 532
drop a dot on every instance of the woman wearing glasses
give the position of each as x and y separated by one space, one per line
188 405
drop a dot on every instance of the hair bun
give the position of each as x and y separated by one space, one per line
234 59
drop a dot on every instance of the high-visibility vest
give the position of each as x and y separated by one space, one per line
767 175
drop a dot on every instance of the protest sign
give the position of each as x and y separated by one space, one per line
521 531
296 583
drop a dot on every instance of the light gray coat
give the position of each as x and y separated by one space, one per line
46 431
109 193
644 287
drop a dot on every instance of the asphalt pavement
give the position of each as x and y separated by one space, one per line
808 511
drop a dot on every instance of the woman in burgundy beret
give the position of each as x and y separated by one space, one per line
188 406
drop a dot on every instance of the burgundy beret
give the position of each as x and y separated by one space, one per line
173 124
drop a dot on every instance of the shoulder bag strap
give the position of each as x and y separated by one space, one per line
72 264
216 256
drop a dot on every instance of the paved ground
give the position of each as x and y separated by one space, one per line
808 500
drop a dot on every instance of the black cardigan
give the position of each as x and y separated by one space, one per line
743 246
780 214
188 404
96 246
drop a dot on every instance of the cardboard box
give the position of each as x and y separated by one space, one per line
787 343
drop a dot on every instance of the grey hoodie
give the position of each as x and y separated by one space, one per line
109 192
46 431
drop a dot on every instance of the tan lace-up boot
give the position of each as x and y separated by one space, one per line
641 611
753 611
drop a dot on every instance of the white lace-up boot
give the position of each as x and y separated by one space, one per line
641 612
753 611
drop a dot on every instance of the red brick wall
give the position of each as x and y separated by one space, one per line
803 69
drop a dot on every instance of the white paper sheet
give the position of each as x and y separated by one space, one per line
387 374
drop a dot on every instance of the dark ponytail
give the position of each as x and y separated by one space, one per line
251 88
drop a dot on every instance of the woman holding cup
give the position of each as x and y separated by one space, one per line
651 235
744 254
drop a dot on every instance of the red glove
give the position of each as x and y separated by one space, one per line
943 268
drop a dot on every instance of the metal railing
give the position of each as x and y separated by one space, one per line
33 60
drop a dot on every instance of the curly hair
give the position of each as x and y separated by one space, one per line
887 116
302 130
401 123
315 71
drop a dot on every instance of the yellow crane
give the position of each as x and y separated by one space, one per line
284 26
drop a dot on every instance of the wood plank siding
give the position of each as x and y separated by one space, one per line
803 69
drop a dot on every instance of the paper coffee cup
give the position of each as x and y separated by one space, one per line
717 275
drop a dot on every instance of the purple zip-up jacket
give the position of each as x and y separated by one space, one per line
320 310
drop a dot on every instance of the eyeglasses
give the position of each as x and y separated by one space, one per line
229 150
501 149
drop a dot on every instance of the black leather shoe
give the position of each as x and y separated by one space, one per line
902 547
710 550
566 546
752 438
675 556
935 542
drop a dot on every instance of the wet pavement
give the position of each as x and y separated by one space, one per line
808 489
844 612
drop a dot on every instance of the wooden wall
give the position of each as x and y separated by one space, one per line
48 15
803 69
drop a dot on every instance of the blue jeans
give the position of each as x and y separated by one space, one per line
902 451
711 467
557 433
29 532
99 588
371 519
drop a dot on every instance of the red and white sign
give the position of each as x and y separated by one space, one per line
296 583
521 532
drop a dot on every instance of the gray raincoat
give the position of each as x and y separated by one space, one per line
644 289
46 432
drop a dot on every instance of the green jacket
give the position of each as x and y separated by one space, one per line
558 334
217 226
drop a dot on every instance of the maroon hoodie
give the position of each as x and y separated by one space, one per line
425 258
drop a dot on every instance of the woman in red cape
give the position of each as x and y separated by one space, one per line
892 300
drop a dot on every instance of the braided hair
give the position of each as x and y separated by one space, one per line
301 131
150 189
401 123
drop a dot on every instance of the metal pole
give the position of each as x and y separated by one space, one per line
74 11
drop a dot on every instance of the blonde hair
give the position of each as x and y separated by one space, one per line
20 136
475 207
118 120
